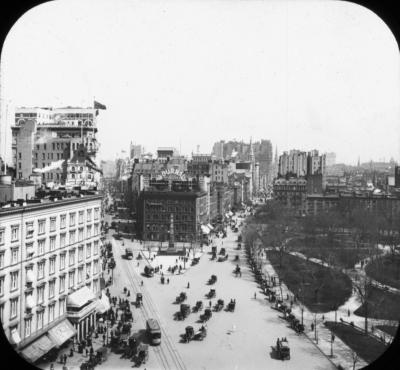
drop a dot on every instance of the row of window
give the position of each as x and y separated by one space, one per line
14 277
30 252
53 225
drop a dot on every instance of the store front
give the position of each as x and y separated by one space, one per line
81 311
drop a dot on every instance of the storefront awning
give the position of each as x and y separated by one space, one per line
103 304
80 297
30 277
15 338
61 332
38 348
210 227
205 229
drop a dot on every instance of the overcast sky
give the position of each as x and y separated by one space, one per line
313 74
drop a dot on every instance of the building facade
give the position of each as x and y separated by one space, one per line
49 250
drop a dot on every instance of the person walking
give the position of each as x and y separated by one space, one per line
348 312
51 366
141 283
167 280
255 295
188 286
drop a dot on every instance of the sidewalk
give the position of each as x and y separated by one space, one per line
342 354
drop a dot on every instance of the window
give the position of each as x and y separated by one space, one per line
88 270
40 294
63 221
14 280
80 234
29 230
28 327
53 224
52 265
41 246
19 155
88 231
96 286
44 146
89 215
96 229
39 320
62 283
62 240
96 248
88 250
96 213
14 255
80 253
1 236
14 233
54 146
80 217
72 219
1 259
80 274
95 266
1 286
62 261
61 306
52 288
71 280
37 147
71 257
52 308
42 226
13 308
43 157
41 270
72 237
52 243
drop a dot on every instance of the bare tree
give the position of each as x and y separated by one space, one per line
363 288
355 358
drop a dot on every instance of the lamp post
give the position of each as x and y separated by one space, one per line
315 328
332 340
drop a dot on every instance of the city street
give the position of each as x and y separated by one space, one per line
235 340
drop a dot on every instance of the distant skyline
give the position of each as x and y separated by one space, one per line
306 75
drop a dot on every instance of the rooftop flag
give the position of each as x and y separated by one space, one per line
97 105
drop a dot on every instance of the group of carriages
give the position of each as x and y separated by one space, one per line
295 323
97 359
130 348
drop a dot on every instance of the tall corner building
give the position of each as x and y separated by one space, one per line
60 144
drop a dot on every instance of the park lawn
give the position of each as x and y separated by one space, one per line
367 347
390 329
382 305
339 255
386 270
319 288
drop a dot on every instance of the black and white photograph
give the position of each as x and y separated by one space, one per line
199 185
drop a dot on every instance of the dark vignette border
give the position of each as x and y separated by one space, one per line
12 10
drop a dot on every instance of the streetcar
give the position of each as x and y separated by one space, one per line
153 331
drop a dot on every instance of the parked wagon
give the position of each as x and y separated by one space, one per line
206 315
219 306
181 297
212 280
211 293
142 354
198 306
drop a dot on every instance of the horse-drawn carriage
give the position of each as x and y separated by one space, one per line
201 334
237 270
219 306
297 326
231 305
206 315
211 294
183 312
236 258
181 297
212 279
195 261
142 354
139 299
198 306
222 252
282 349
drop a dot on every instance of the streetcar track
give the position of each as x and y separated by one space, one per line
149 312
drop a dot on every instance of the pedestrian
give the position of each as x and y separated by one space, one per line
312 326
141 283
210 303
287 296
188 285
51 366
91 351
65 359
86 352
348 312
104 339
255 295
71 352
167 280
323 317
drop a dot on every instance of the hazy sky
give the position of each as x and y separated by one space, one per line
312 74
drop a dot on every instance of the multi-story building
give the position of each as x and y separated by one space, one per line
181 200
45 139
291 192
135 151
50 271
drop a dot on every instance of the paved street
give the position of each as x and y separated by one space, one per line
238 340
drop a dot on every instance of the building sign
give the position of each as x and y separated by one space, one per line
174 174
